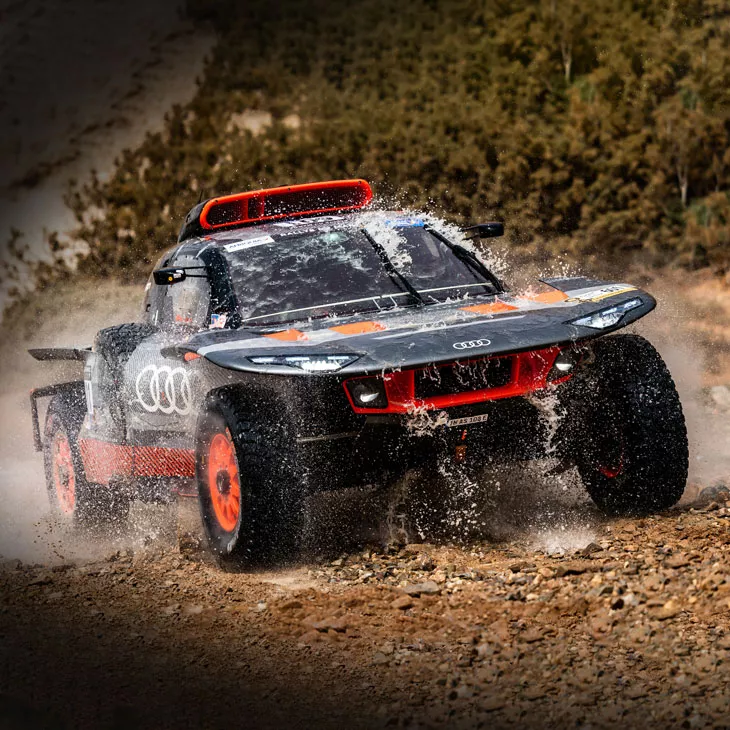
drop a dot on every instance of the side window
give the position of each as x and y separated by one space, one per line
154 296
186 303
189 302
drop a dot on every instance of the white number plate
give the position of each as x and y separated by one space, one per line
468 420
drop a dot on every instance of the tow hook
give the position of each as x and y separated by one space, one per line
460 450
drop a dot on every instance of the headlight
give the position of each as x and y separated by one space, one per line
367 392
308 363
607 317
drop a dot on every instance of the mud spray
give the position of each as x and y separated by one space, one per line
532 504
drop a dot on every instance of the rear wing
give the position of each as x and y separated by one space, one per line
53 354
259 206
44 354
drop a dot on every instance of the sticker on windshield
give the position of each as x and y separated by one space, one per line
218 321
405 223
250 243
307 221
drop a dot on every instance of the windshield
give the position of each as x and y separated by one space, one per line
282 278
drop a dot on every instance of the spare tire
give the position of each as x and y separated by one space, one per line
115 345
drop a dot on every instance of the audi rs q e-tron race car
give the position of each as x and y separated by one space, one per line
297 340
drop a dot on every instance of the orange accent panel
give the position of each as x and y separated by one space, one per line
104 460
288 336
546 297
159 461
493 308
359 328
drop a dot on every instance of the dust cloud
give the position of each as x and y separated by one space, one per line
67 316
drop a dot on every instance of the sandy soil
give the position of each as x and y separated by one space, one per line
556 617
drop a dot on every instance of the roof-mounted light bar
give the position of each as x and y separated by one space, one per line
285 202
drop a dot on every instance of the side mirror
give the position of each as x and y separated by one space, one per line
166 277
485 230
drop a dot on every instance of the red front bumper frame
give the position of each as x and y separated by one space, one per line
530 371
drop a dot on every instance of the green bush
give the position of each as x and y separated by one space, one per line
597 128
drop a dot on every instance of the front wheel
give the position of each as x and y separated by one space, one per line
624 428
248 481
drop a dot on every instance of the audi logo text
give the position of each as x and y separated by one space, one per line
164 389
470 344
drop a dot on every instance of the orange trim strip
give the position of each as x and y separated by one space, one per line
288 336
104 460
493 308
359 328
547 297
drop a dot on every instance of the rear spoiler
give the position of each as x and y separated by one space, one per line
60 353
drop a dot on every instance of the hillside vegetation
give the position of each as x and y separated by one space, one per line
595 128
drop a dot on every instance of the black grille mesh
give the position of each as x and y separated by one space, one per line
463 377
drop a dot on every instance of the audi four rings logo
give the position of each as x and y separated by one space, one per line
471 344
164 389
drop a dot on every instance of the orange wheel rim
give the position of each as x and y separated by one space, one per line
64 477
615 465
223 481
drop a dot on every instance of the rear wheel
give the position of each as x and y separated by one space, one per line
624 428
73 499
248 481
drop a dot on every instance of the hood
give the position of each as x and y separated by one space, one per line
408 337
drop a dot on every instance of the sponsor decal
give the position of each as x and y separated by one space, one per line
467 420
218 321
307 221
249 243
603 292
471 344
405 223
163 389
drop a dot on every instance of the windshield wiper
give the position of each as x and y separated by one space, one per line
392 270
470 259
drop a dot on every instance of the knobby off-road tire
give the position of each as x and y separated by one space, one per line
624 428
115 345
73 499
249 481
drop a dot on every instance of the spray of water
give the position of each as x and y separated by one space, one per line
534 503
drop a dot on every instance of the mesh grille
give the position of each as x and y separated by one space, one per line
463 377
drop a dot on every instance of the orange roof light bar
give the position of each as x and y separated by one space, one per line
285 202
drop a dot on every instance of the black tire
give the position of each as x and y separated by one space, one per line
624 428
262 451
73 499
115 345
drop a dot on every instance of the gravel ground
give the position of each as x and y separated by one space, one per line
556 618
632 628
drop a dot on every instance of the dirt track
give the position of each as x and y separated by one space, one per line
634 628
558 617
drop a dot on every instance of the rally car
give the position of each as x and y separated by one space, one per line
300 339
